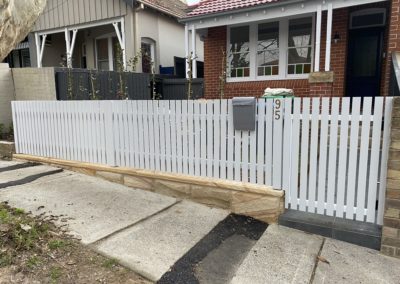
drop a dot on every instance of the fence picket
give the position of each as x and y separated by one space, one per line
294 175
191 137
210 138
277 143
312 180
260 140
332 163
343 155
287 144
374 161
268 142
216 136
223 139
363 167
167 119
353 157
203 116
322 174
304 154
230 138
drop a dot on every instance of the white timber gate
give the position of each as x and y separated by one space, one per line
329 154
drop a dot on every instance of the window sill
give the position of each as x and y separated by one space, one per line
268 78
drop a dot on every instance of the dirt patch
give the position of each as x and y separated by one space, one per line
33 250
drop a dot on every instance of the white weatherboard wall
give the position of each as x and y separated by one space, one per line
329 155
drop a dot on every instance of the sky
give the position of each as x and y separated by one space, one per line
191 2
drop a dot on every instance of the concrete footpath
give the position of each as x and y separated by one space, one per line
159 237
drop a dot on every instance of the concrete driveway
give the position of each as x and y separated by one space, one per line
175 241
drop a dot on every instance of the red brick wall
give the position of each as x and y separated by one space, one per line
392 43
216 42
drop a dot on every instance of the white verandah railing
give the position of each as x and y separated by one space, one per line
328 155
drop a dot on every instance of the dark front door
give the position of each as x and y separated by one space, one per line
364 62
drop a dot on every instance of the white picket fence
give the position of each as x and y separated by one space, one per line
329 159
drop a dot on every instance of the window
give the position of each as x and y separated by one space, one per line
268 49
148 54
108 53
239 52
373 17
282 49
300 46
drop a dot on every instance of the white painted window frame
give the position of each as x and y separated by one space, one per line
109 38
283 50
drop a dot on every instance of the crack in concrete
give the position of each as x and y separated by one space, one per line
28 179
317 262
97 242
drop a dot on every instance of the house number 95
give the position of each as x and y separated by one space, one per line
277 109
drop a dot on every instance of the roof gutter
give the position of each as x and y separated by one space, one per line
239 10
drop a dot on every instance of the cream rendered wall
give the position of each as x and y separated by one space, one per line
169 35
6 94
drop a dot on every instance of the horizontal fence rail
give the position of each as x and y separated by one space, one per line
329 155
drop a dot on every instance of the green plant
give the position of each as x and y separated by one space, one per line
56 244
222 77
55 274
6 259
11 129
110 263
19 211
1 129
33 262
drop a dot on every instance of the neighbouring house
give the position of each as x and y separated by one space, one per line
100 34
315 47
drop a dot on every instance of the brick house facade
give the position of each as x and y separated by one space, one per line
215 43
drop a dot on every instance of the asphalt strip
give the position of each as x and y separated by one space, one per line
18 166
28 179
186 269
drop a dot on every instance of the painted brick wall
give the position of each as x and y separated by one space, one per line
215 43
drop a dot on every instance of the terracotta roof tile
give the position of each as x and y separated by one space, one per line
217 6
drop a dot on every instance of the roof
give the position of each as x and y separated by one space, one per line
174 8
206 7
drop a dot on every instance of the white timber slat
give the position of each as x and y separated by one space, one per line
277 143
287 144
294 174
191 137
312 179
210 139
322 174
223 137
185 136
151 135
343 155
305 138
231 133
353 157
173 138
332 163
374 161
363 166
179 135
197 137
216 136
260 140
203 116
269 118
167 120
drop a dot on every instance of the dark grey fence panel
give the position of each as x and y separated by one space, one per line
82 84
177 89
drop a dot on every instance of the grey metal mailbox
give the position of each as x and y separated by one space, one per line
244 113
